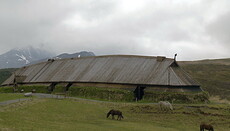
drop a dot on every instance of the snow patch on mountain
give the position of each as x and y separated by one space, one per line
23 58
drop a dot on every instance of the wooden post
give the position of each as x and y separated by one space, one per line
169 76
15 84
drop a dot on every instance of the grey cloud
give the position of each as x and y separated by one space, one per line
28 22
219 30
159 28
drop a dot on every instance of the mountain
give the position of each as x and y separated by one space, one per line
19 57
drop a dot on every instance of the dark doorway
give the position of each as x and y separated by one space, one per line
139 92
51 87
67 86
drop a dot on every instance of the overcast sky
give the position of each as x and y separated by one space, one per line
194 29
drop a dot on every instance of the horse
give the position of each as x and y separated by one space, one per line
115 112
206 126
165 106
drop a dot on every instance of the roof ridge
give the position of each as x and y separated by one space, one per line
141 56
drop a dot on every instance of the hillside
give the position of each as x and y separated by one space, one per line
6 73
213 75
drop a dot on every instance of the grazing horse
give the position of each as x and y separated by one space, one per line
206 126
115 112
165 106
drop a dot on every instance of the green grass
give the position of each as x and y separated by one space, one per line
71 115
10 96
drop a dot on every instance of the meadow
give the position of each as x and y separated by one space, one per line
72 114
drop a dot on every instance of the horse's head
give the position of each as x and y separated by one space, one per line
108 114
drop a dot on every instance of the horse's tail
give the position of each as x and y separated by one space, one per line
121 115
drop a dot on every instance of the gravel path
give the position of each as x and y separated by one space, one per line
41 95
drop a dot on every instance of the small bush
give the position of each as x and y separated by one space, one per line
38 88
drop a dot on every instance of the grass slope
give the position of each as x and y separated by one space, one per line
213 75
6 73
69 114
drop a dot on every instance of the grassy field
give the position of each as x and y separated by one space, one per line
10 96
70 114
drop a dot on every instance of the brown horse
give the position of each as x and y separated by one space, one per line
115 112
206 126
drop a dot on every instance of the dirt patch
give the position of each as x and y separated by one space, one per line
199 111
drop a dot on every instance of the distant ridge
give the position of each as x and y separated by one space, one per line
80 54
66 55
225 61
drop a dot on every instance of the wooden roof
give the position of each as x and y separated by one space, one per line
117 69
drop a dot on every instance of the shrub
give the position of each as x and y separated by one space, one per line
6 90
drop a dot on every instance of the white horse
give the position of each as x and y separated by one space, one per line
165 106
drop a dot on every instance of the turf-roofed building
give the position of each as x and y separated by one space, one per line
137 73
